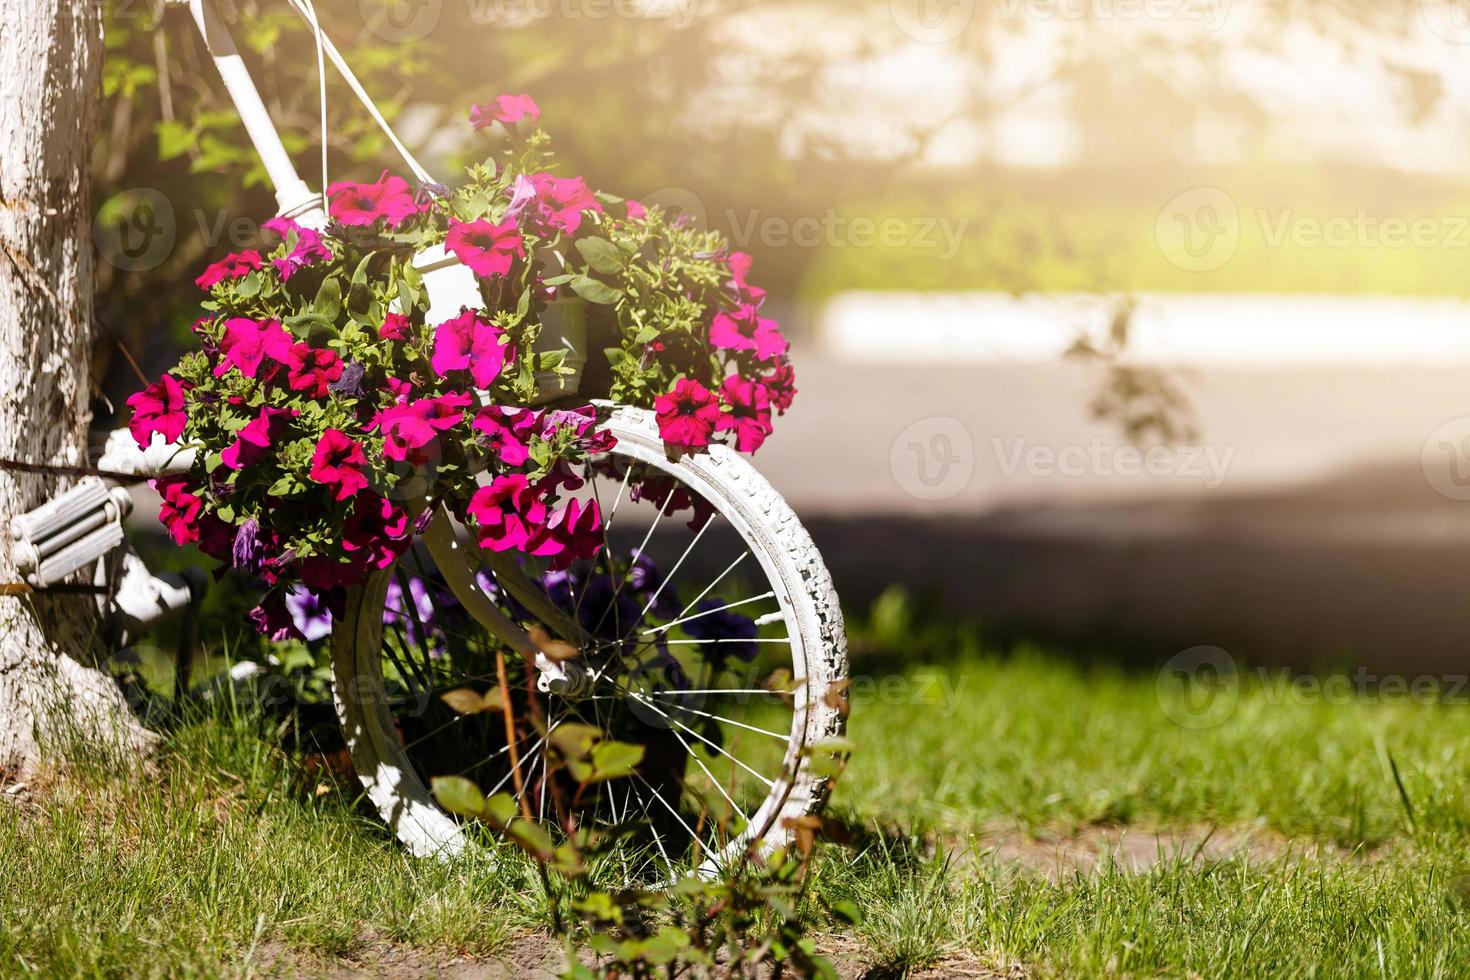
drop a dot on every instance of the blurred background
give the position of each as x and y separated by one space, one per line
1125 325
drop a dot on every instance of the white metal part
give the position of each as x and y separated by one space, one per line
295 199
120 454
69 532
141 598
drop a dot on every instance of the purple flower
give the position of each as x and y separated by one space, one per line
248 551
349 385
310 613
729 627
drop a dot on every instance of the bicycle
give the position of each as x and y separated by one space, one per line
757 655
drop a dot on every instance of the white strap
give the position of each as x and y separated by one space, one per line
324 43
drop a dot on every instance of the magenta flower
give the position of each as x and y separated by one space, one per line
750 415
249 342
636 210
232 266
180 510
687 415
338 462
781 384
312 369
259 435
505 109
395 326
506 431
410 427
469 342
746 329
158 408
272 619
739 264
400 390
306 249
377 531
363 204
489 250
561 201
508 513
572 533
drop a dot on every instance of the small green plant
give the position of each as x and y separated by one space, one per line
734 920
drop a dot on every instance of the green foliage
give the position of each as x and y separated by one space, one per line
737 920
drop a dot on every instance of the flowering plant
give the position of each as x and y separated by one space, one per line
326 406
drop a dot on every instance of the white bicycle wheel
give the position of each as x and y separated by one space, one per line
721 649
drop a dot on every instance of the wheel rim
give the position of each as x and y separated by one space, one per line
685 620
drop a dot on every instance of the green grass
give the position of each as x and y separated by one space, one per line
229 854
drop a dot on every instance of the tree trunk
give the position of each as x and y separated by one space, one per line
52 697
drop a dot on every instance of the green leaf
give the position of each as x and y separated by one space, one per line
614 760
328 302
594 291
174 138
533 838
602 255
459 795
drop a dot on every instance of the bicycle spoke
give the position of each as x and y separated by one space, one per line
708 612
720 749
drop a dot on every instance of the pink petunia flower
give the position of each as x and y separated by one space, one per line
377 531
400 390
395 326
338 462
489 250
746 329
739 264
308 247
249 342
505 109
636 210
560 201
361 205
469 342
507 513
312 369
750 415
409 428
781 383
180 509
572 533
232 266
259 435
158 408
506 431
687 415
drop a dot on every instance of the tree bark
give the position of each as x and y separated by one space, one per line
53 699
